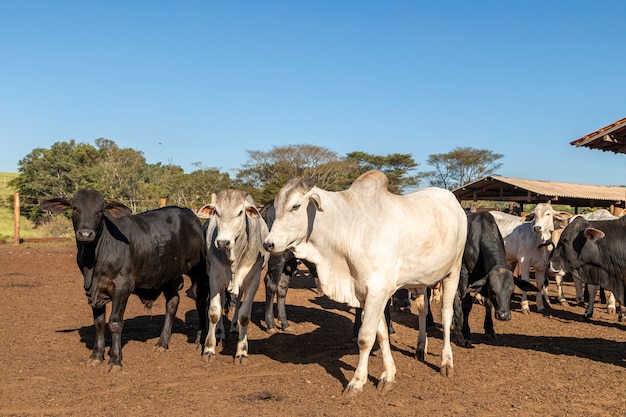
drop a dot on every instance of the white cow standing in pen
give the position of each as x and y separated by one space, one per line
234 237
366 243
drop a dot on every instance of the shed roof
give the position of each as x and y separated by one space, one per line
497 188
609 138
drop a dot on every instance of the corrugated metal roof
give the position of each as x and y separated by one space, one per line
498 188
566 189
609 138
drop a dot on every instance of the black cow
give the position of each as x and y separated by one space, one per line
595 253
119 254
280 269
484 271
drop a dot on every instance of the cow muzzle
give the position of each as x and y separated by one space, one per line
223 244
85 235
503 315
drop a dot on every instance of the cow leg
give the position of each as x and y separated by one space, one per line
99 321
373 310
270 291
559 285
172 300
611 306
421 304
388 377
449 289
622 314
466 304
202 298
593 290
580 297
215 316
244 312
488 324
283 286
540 277
116 325
234 323
524 268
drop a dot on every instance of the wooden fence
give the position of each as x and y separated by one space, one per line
19 211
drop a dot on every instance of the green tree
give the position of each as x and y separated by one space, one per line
460 166
266 172
55 172
194 190
396 166
123 173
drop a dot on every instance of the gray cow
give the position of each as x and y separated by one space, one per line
234 235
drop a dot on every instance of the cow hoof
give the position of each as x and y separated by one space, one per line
446 370
610 311
468 344
94 362
526 311
272 330
419 355
563 302
207 357
289 330
114 368
159 349
587 317
385 386
351 392
240 360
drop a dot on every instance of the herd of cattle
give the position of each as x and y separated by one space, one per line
362 244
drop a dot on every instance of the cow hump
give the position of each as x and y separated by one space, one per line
372 182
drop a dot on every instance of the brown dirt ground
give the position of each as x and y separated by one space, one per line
553 365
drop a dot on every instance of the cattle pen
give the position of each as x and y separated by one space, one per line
555 363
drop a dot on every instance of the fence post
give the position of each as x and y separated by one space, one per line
16 222
163 202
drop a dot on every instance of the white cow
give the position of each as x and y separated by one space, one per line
525 242
366 243
234 237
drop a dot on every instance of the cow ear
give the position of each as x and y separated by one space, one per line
592 234
55 205
316 201
253 212
117 210
207 211
529 217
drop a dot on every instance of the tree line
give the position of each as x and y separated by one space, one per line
123 174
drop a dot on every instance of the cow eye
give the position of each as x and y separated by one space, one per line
295 207
240 213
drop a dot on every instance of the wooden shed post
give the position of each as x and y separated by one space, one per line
163 202
16 218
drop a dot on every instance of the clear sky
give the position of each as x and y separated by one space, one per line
206 81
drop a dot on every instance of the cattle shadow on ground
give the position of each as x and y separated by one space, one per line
140 329
324 346
596 349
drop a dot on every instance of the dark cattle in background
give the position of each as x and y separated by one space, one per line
484 271
595 253
119 254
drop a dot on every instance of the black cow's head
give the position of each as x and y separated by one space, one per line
88 210
577 247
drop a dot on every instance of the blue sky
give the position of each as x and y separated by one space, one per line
206 81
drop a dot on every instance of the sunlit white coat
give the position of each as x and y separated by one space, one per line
366 243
